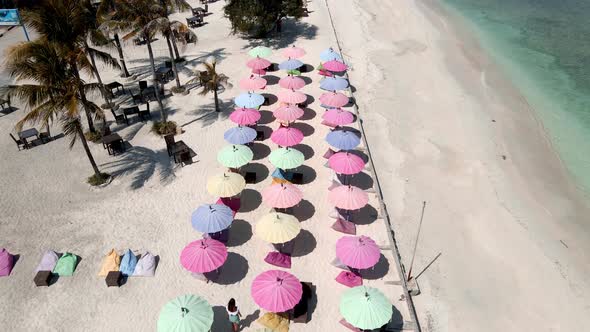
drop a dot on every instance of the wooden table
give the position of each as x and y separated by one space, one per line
109 140
130 111
194 21
115 85
178 148
28 133
164 73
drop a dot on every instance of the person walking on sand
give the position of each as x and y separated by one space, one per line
234 314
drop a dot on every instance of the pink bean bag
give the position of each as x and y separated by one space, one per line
344 226
278 259
349 279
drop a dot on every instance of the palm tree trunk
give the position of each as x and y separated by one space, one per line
175 48
216 100
87 149
97 74
174 69
83 97
155 80
121 57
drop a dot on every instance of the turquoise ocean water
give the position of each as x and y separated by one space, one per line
544 48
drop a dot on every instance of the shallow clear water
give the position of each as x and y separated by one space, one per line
544 47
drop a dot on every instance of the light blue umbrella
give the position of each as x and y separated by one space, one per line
212 218
249 100
343 139
240 135
290 64
334 83
329 55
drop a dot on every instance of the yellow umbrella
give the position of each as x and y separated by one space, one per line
226 185
278 227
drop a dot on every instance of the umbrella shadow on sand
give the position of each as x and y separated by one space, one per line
306 129
260 170
271 79
266 117
361 180
396 323
308 114
250 200
240 233
260 150
233 270
305 149
309 174
364 216
303 211
378 271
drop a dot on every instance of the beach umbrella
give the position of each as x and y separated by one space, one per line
249 100
66 265
286 158
6 262
226 184
204 255
277 227
286 136
212 218
128 263
334 99
358 252
282 195
288 113
293 52
258 63
48 261
365 307
290 64
338 117
335 66
346 163
343 139
329 55
186 313
235 156
291 82
252 83
244 116
291 96
239 135
348 197
260 51
333 83
276 290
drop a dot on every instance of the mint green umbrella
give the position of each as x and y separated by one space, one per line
365 307
286 158
235 156
260 51
186 313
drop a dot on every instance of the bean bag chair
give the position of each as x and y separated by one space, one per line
128 263
66 265
48 261
146 266
110 263
6 262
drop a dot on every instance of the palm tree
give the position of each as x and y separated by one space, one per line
55 95
175 30
211 81
105 9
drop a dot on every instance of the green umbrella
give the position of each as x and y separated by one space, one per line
235 156
286 158
66 265
186 313
260 51
365 308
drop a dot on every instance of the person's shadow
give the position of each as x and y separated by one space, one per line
248 320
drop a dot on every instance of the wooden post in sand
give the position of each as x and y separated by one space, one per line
416 243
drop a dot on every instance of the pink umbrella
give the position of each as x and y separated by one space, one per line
293 52
334 99
203 255
292 97
288 113
287 136
348 197
358 252
252 83
259 71
346 163
291 82
338 117
258 63
276 291
244 116
335 66
282 195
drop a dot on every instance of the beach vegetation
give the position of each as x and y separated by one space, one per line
98 179
165 128
259 18
211 81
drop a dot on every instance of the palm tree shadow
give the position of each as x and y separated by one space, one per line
292 29
207 115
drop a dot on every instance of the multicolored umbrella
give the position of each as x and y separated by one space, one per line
203 255
343 139
212 218
6 262
277 227
235 156
334 99
258 63
260 51
252 83
288 113
186 313
335 66
333 83
276 290
239 135
286 136
293 52
244 116
329 55
290 64
249 100
338 117
346 163
348 197
291 82
226 185
286 158
282 195
365 308
358 252
292 96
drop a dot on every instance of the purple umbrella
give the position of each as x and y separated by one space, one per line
343 139
240 135
6 261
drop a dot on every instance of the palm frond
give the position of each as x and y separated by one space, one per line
103 57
